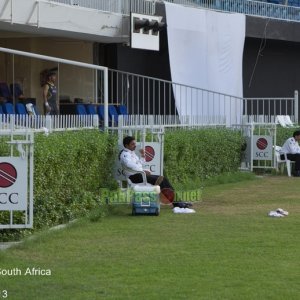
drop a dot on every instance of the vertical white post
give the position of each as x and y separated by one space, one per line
296 96
95 121
105 98
251 152
143 141
161 135
49 123
31 166
96 87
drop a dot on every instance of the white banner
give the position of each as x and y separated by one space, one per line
206 51
13 183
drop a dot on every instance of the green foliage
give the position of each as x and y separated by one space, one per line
284 133
69 170
195 155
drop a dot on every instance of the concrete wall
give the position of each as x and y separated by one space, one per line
74 82
55 19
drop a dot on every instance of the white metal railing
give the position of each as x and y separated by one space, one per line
124 7
248 7
169 121
159 101
265 110
47 123
100 72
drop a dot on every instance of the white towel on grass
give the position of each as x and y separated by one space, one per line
274 213
178 210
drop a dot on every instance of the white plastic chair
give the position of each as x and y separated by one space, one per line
144 183
288 121
281 162
284 121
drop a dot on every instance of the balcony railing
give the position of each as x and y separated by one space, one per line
248 7
124 7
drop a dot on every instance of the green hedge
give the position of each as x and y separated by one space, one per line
284 133
69 170
195 155
71 167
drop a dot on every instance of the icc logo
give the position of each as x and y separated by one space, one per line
261 144
149 156
8 176
149 153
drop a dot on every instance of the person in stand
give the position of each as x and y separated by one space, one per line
292 150
132 164
50 94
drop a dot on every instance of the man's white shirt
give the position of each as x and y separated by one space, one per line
130 162
290 146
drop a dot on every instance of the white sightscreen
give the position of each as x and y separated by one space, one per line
206 51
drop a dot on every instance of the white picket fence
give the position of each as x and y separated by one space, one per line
48 123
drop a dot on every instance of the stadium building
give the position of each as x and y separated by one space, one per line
207 61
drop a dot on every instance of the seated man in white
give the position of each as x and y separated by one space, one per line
132 164
292 150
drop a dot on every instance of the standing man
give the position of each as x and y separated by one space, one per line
292 150
50 94
132 164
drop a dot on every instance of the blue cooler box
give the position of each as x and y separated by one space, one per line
145 200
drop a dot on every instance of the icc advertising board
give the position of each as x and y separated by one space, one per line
262 147
13 183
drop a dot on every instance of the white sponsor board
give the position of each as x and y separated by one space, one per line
13 183
262 147
152 163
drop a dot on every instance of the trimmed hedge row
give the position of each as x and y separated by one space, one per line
69 170
71 167
195 155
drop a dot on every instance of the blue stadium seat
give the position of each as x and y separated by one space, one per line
100 111
80 110
295 3
8 108
90 109
274 1
113 114
122 110
218 4
20 109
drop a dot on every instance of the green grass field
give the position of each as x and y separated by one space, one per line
229 249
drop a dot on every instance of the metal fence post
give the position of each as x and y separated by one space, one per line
95 121
106 98
296 96
49 123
